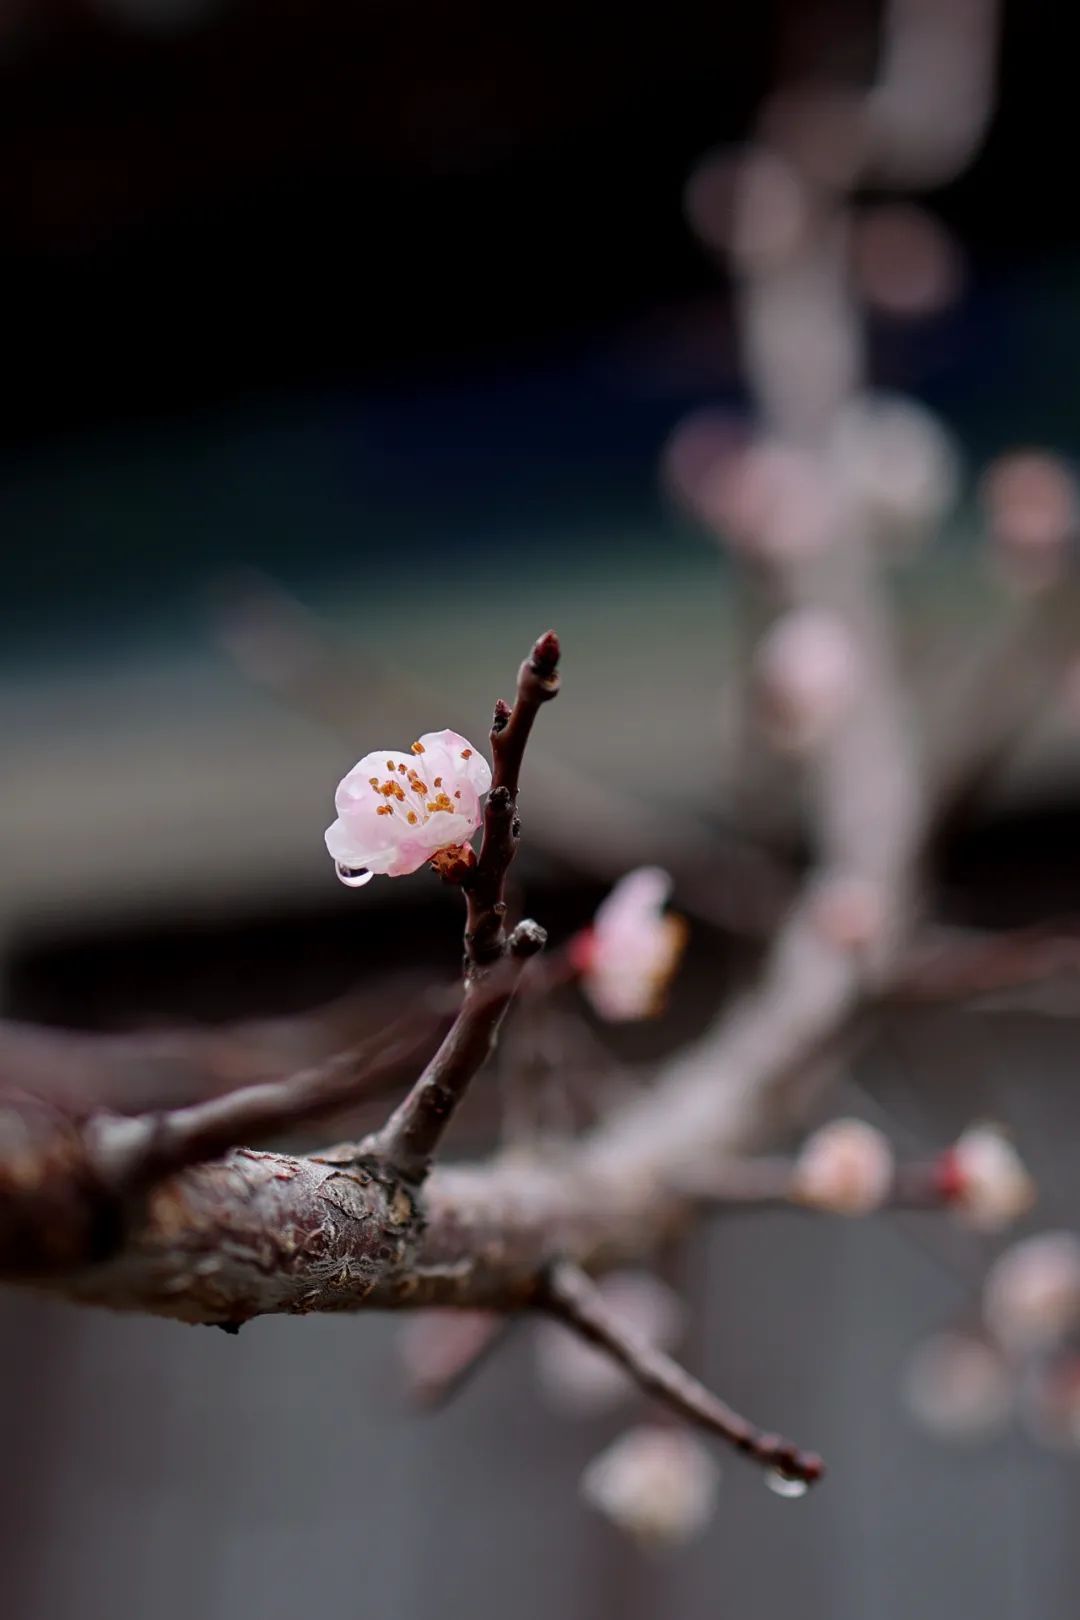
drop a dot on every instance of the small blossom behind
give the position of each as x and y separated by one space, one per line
959 1387
660 1485
396 812
896 459
1050 1402
1031 1297
846 1167
627 958
1032 509
984 1178
905 263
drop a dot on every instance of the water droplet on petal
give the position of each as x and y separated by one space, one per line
785 1485
354 877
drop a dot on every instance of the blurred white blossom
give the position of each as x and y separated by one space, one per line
1031 1297
959 1387
905 262
1050 1402
989 1184
846 1167
660 1485
1032 509
897 461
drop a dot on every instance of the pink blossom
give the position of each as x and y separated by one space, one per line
628 955
1031 1299
985 1178
1050 1402
905 262
397 811
1031 500
959 1387
846 1167
659 1485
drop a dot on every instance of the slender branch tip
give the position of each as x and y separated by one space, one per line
545 656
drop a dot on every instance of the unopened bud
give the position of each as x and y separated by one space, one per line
846 1167
660 1485
1031 1298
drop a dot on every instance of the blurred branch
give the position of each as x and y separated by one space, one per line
773 1183
974 739
137 1071
956 965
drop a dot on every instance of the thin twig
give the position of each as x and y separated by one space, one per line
571 1296
139 1071
485 883
408 1141
138 1151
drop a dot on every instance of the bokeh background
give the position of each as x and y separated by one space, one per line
341 345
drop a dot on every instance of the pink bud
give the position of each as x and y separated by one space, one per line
991 1186
1050 1402
959 1387
660 1485
846 1167
1031 1298
1031 503
626 959
905 262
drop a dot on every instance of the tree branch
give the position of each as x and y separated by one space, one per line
139 1071
569 1295
131 1153
485 883
410 1138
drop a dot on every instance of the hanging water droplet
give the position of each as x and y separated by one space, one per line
354 877
785 1485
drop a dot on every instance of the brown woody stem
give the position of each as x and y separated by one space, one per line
408 1141
575 1299
485 883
